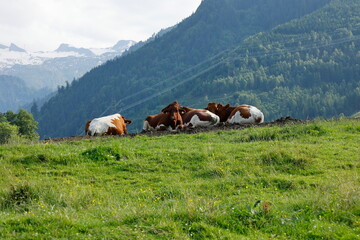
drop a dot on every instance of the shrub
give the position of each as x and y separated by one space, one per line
26 123
7 132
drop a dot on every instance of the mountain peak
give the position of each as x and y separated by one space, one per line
64 47
123 44
15 48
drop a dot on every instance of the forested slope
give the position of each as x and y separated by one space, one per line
287 57
14 93
306 68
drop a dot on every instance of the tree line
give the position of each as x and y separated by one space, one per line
19 126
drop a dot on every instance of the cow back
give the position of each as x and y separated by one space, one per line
152 122
245 114
109 125
200 117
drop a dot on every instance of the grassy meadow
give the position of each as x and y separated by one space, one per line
298 181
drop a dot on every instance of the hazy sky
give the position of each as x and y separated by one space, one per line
43 24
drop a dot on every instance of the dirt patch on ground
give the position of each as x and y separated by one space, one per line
221 127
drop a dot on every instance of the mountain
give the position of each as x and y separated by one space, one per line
67 48
54 68
122 45
14 93
287 57
15 48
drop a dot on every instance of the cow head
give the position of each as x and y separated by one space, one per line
126 121
87 125
223 111
174 111
212 107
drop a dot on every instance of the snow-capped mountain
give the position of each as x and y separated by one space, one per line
49 69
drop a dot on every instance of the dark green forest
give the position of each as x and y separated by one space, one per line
287 57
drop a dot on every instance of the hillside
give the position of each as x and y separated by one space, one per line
306 68
14 93
298 181
215 27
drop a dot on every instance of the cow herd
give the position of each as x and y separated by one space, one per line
175 117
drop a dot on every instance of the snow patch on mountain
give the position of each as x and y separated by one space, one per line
13 55
120 47
10 58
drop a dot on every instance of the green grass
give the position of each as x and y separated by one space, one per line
203 186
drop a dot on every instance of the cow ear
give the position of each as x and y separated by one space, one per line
128 121
164 110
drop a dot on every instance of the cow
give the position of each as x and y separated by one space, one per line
169 119
237 115
199 117
223 112
109 125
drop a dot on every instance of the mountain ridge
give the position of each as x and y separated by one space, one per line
15 48
53 68
64 47
42 72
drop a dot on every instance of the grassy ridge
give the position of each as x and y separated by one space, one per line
187 186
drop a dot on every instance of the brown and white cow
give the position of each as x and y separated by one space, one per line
237 115
199 118
109 125
169 119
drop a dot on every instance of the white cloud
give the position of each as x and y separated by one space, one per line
44 24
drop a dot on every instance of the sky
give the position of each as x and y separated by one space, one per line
42 25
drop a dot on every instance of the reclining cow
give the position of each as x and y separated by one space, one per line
109 125
237 115
169 119
199 118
